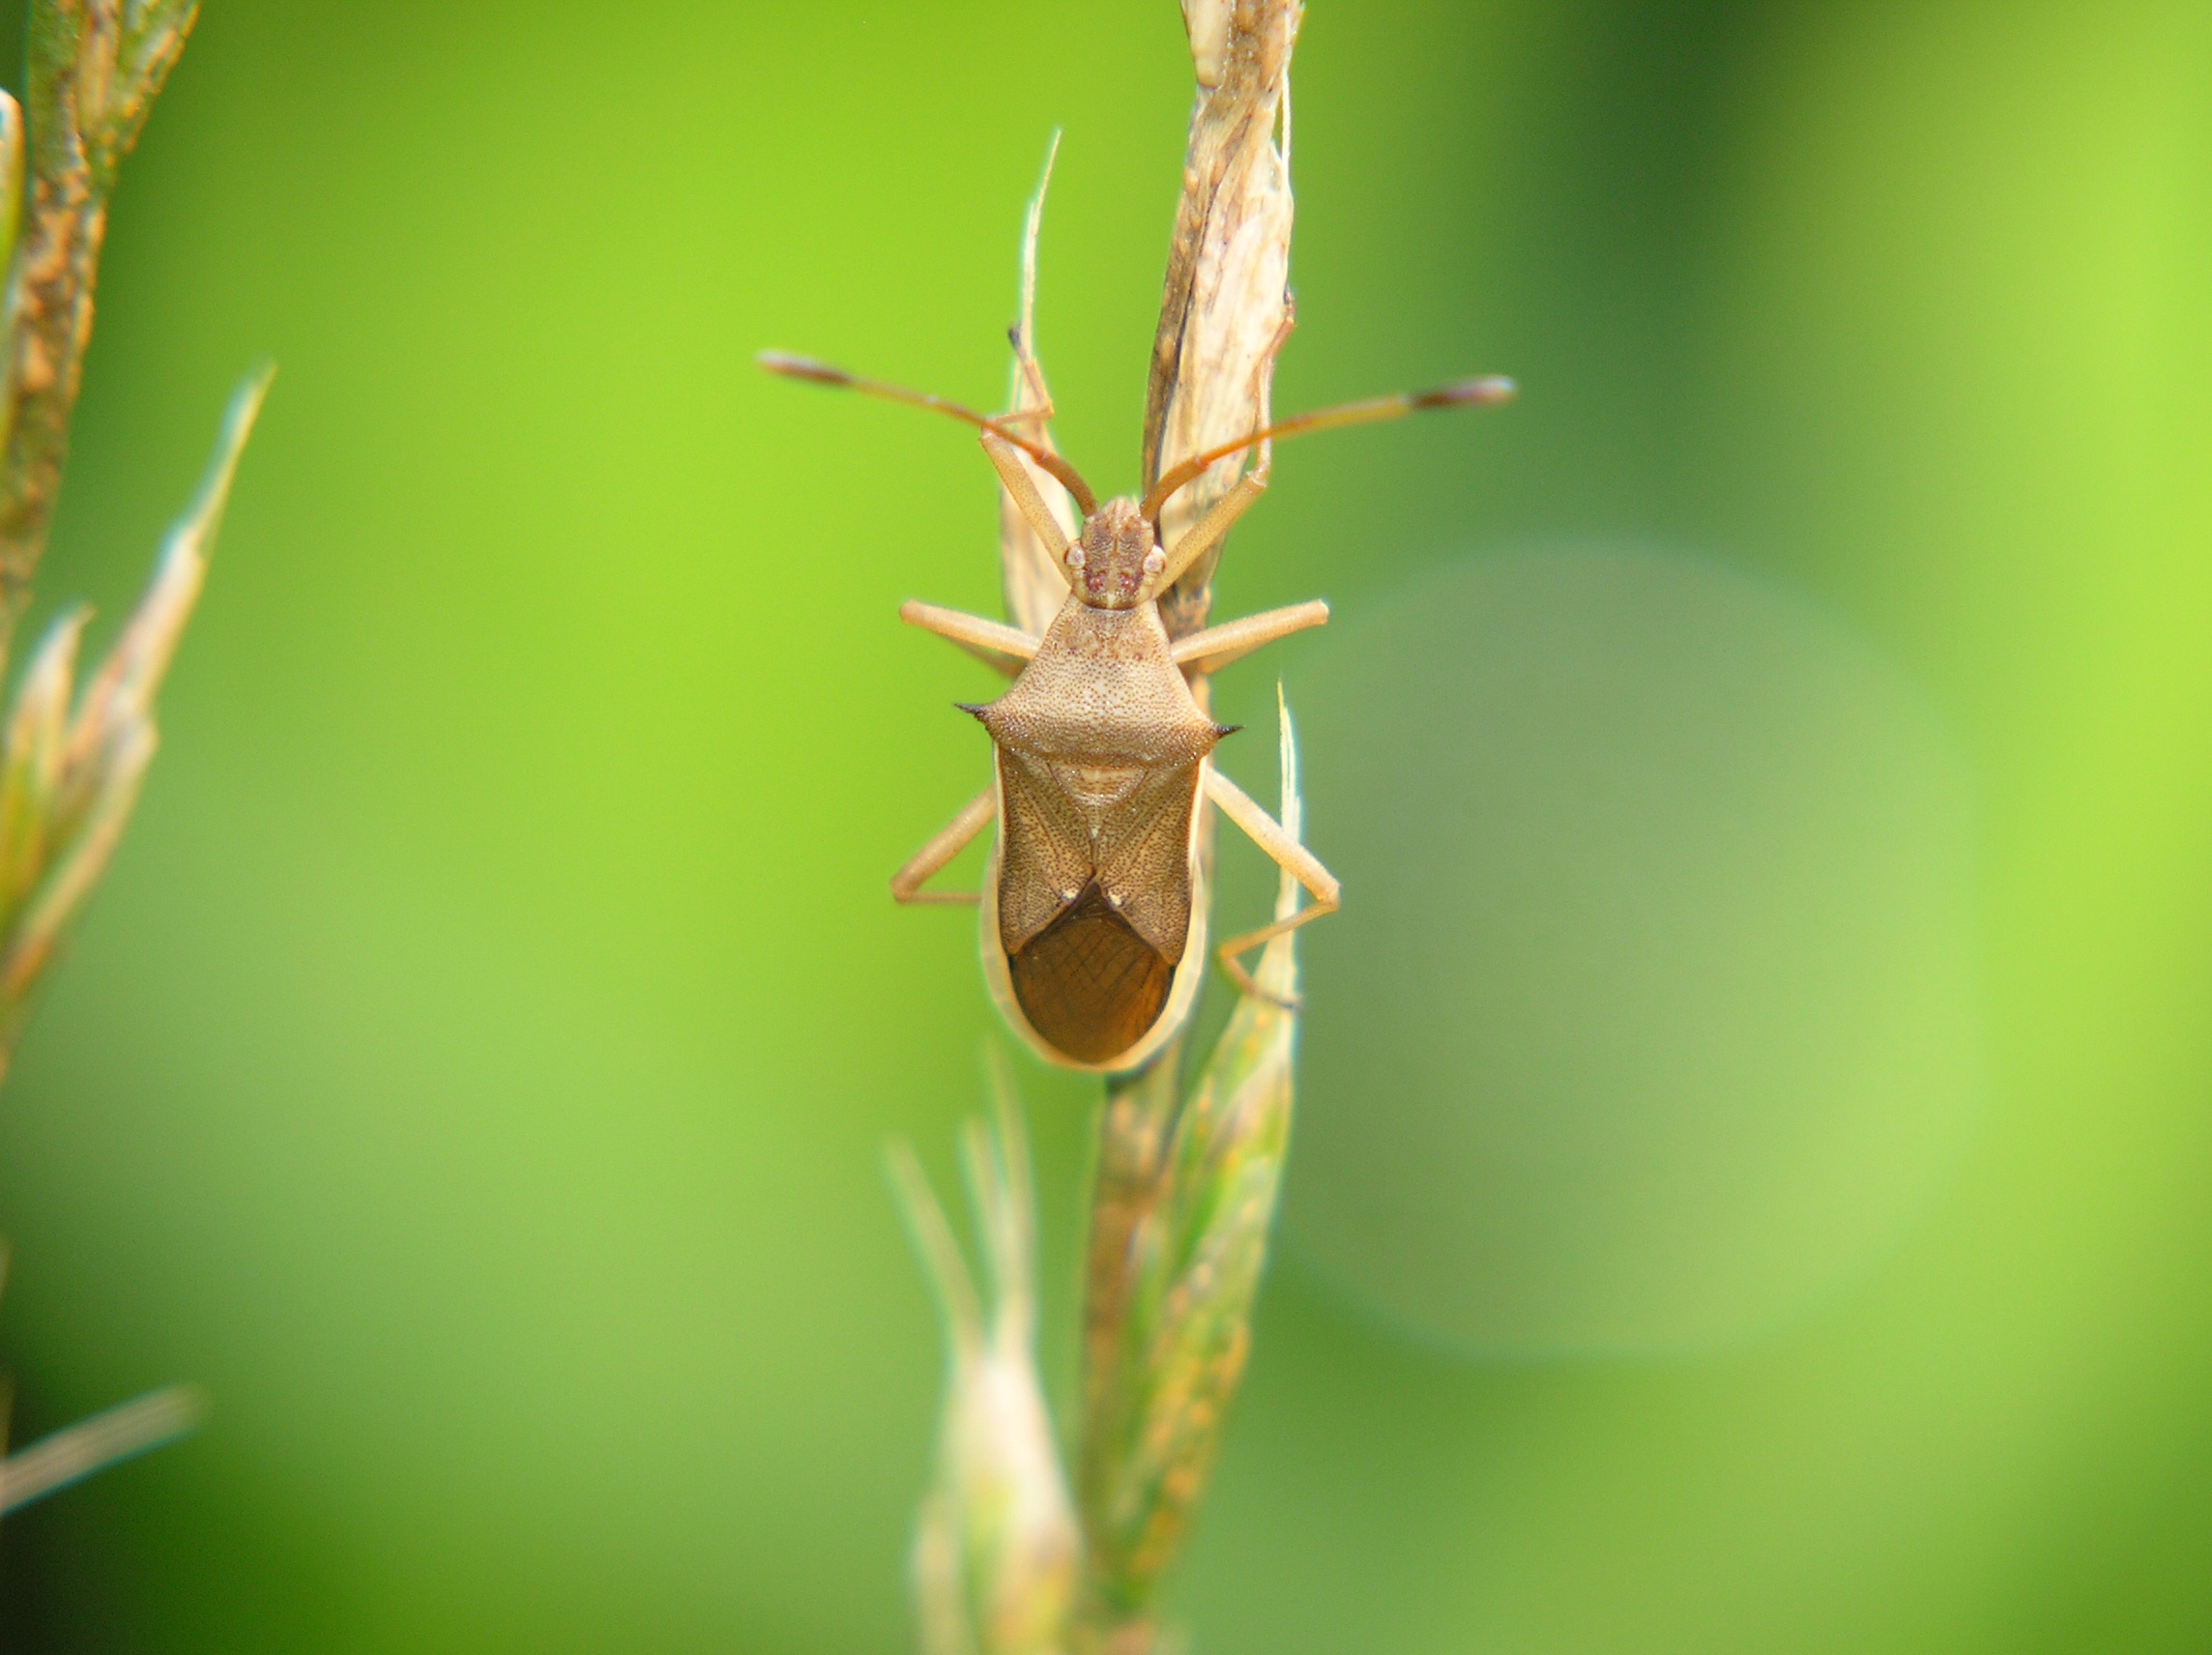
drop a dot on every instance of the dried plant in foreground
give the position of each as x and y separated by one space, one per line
73 763
1225 304
71 760
995 1552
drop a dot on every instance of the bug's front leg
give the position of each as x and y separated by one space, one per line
1006 460
1293 858
1002 648
950 841
1217 647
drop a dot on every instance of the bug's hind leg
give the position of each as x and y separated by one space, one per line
1293 858
950 841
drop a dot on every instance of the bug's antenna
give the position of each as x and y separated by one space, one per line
1488 391
822 373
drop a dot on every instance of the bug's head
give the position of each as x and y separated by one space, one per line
1116 561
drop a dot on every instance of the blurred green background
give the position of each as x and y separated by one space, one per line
476 1068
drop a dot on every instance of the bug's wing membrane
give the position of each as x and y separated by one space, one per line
1089 984
1043 858
1143 858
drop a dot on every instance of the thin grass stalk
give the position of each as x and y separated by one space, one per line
1223 308
1033 585
75 1453
1135 1123
1190 1270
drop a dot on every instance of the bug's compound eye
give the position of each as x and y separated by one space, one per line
1075 558
1155 561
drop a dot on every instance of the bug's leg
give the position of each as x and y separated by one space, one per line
1210 530
1293 858
950 841
994 642
1217 647
1007 460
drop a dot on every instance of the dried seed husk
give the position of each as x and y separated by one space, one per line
1224 303
70 778
996 1547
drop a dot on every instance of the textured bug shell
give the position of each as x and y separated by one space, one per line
1187 974
1099 756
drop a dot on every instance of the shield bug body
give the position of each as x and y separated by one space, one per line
1093 900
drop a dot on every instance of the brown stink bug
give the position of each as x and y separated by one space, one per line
1093 900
